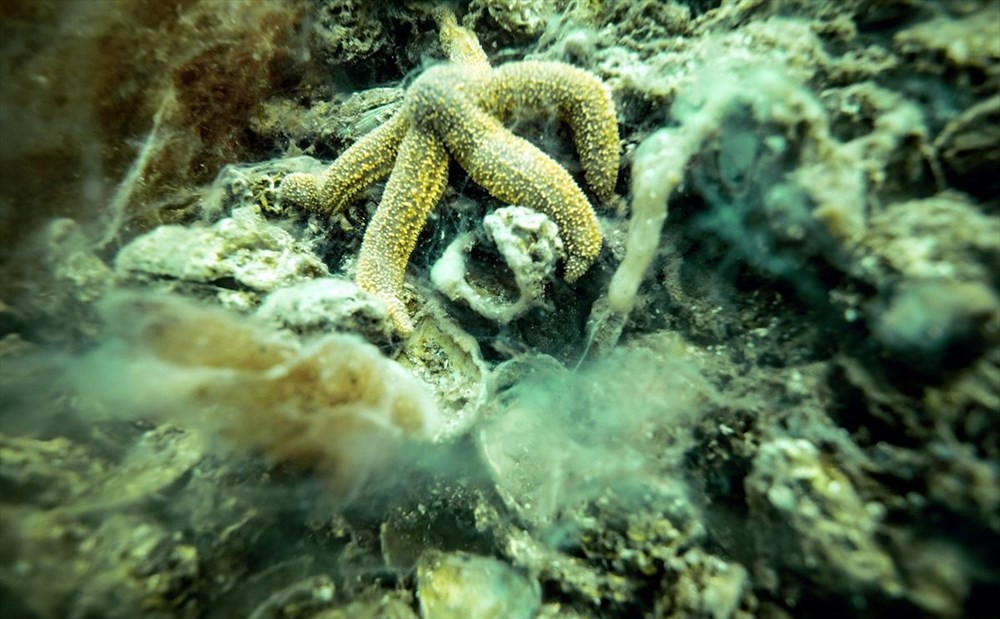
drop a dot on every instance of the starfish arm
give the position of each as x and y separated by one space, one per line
510 168
302 190
367 161
579 98
460 44
416 184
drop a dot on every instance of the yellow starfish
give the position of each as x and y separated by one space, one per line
457 108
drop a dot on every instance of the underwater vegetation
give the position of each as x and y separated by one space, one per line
264 353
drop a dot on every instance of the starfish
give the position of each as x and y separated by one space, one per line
457 109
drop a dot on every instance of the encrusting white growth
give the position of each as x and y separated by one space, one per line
530 244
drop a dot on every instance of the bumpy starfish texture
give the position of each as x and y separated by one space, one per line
458 109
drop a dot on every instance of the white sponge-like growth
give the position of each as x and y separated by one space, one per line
336 405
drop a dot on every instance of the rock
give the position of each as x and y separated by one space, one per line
460 586
325 305
944 236
969 148
255 185
449 362
521 16
63 277
46 472
241 252
834 534
965 48
116 566
709 587
937 325
305 597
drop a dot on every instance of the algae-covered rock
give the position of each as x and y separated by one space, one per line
120 565
115 113
46 472
242 253
449 362
325 305
56 303
457 585
253 186
522 16
174 450
347 30
943 236
969 147
963 47
937 323
835 539
934 260
301 599
327 123
387 606
709 587
571 574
